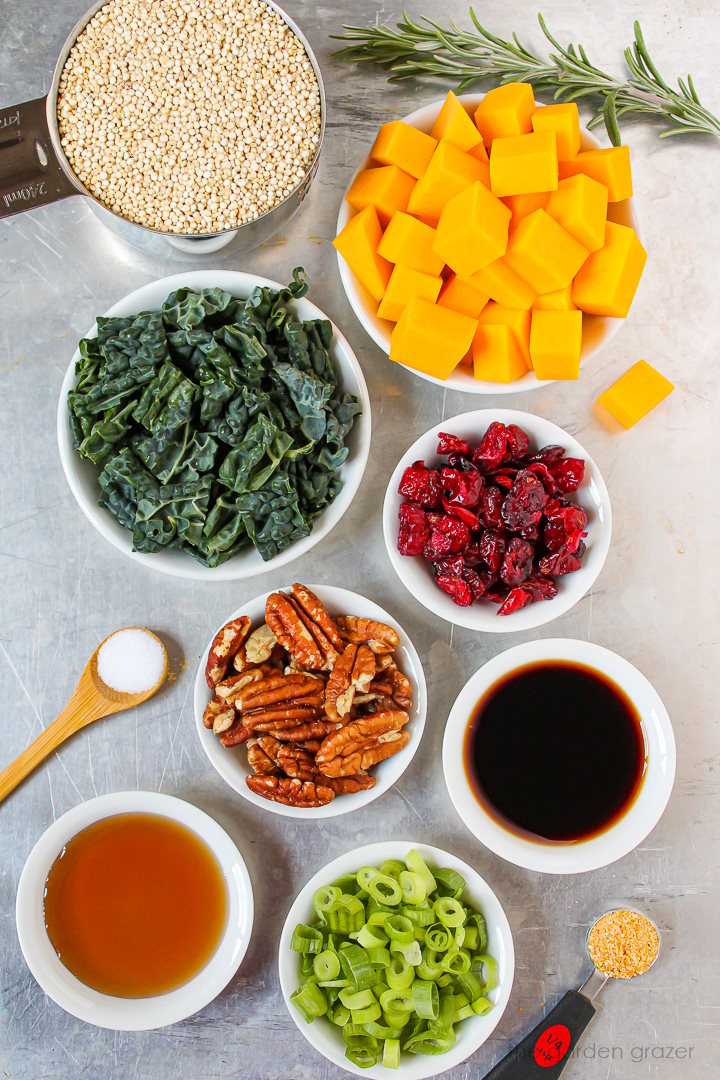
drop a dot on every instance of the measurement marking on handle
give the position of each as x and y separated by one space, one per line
28 193
552 1046
10 119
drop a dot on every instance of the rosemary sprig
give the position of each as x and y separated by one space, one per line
422 48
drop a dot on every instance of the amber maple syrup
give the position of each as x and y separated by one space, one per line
135 905
555 752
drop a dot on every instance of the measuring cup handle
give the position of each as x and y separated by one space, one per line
30 173
545 1051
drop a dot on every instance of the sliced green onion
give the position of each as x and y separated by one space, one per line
356 965
471 940
430 967
432 1044
347 884
372 908
400 929
469 985
306 964
444 980
333 984
306 939
379 956
463 1013
479 921
379 918
309 1001
400 973
340 1015
415 863
391 1053
326 965
445 1014
351 1029
397 1019
346 916
364 1016
420 916
385 890
361 1050
425 999
456 962
420 934
437 938
414 889
481 1006
450 883
324 898
449 911
491 971
382 1031
371 937
392 868
395 1001
356 999
411 951
459 936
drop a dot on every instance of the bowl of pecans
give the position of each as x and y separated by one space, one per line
310 701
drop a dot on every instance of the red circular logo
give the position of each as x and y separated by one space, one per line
552 1046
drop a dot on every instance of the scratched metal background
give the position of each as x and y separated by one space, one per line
63 589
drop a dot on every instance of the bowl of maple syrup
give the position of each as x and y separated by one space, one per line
559 756
134 910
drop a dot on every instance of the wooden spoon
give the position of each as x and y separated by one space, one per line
91 700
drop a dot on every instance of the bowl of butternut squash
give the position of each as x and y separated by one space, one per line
490 244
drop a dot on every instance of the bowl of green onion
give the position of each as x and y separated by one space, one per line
396 959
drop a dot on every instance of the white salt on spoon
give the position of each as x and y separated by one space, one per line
131 661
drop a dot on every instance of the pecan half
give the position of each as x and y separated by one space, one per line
282 715
316 610
296 762
348 785
259 646
218 715
291 792
229 687
363 743
353 672
378 636
236 734
277 688
225 644
304 639
312 729
258 759
393 684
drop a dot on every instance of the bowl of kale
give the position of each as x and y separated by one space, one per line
214 424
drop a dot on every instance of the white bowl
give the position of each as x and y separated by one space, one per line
82 476
231 762
471 1033
132 1014
597 330
642 816
592 496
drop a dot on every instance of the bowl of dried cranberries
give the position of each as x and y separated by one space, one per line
497 520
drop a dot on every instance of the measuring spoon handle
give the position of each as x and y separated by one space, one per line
545 1051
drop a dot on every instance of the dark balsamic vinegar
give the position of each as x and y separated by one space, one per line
555 751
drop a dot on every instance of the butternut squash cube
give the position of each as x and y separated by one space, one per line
555 343
504 285
609 167
358 243
580 206
517 320
387 189
430 338
454 124
560 300
404 284
409 242
480 154
635 393
450 171
461 295
607 282
522 205
564 120
523 164
496 355
472 230
505 110
543 253
398 143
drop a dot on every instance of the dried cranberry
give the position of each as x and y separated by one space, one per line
421 485
462 514
531 533
456 588
504 479
564 529
462 488
492 549
524 503
544 475
414 530
453 566
475 582
492 450
490 507
448 536
518 441
568 474
548 455
540 588
472 555
557 565
451 444
515 599
518 561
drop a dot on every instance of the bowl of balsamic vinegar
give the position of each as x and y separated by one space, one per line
559 756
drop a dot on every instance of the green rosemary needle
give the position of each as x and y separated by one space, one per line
419 48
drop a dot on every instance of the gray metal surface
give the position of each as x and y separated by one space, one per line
63 589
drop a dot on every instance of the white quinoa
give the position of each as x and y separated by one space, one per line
189 116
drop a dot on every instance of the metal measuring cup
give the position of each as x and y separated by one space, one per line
545 1051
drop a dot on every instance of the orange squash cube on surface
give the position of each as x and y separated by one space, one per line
522 205
608 281
472 230
555 343
461 295
505 110
564 120
398 143
409 242
404 284
580 206
480 154
449 172
454 124
560 300
543 253
358 244
523 164
518 321
496 354
430 338
635 393
609 167
504 285
387 189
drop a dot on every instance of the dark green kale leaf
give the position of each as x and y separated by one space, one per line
248 466
182 454
309 395
166 403
172 517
